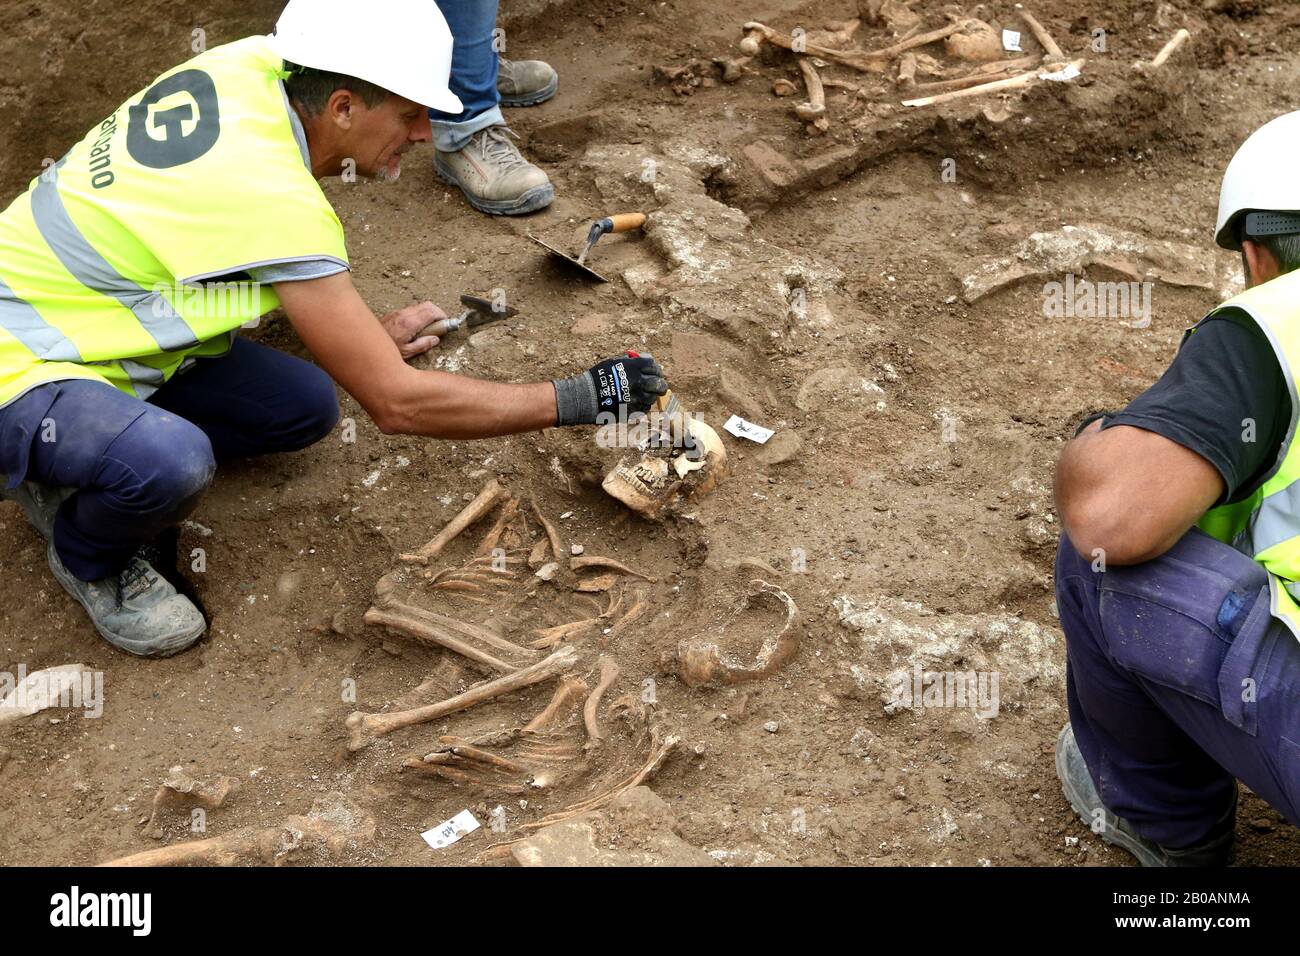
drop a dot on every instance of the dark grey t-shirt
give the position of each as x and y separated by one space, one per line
1223 389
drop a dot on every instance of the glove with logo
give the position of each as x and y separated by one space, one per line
620 387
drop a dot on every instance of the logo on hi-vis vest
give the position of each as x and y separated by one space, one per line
177 121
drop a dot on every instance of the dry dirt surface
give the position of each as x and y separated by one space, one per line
809 281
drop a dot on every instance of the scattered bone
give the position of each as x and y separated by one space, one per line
547 572
1169 49
843 85
783 87
1040 33
554 636
465 749
468 587
180 791
1071 249
41 690
334 826
489 542
638 608
701 661
615 605
753 41
733 70
597 561
553 536
566 695
836 35
976 41
658 755
985 73
487 499
608 674
431 635
597 584
814 110
907 71
363 728
873 61
997 86
436 630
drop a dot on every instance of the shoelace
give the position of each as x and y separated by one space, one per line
497 147
137 573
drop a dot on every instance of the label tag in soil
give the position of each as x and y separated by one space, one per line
743 429
1011 41
445 834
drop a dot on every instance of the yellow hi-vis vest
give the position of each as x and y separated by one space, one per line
109 261
1266 525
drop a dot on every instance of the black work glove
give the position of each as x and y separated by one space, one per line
620 387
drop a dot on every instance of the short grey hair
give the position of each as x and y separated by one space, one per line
313 88
1285 249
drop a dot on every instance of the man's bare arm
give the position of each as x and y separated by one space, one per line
355 349
1131 493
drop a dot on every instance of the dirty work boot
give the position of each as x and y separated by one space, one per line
136 610
39 502
494 176
1082 794
526 82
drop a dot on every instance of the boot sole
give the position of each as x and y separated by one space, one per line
1112 835
533 99
159 648
539 197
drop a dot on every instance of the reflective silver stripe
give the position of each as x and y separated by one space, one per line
145 379
1276 520
92 270
21 320
295 123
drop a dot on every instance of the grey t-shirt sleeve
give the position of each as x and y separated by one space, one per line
296 271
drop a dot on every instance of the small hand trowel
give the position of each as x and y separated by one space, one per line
478 312
624 222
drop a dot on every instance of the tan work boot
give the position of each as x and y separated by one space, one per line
494 176
526 82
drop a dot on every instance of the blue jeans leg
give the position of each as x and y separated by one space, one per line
1180 682
473 73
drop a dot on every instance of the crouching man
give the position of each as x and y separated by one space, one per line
120 391
1178 573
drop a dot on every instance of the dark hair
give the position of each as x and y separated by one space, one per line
313 88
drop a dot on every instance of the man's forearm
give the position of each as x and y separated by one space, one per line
441 405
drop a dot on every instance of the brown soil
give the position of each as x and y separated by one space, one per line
921 502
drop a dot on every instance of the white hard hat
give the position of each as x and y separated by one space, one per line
403 46
1262 178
